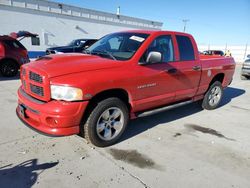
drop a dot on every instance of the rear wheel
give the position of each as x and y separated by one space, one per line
106 122
9 68
213 96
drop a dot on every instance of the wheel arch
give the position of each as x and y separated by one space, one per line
9 59
218 77
114 92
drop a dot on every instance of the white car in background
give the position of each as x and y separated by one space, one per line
245 71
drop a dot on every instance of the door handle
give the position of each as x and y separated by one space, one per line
171 71
197 68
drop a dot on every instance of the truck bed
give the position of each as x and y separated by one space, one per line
215 64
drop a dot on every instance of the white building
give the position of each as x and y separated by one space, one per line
57 24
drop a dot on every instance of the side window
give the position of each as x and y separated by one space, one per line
86 44
185 48
35 41
162 44
14 44
11 44
115 43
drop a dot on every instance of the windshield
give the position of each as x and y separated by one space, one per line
77 42
117 46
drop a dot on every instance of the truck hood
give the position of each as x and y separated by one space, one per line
63 64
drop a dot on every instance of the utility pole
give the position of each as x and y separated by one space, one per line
245 54
118 11
185 24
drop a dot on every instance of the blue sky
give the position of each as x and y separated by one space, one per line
211 21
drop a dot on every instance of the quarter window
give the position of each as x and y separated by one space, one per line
185 48
35 41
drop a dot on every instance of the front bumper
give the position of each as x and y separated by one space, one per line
55 118
245 72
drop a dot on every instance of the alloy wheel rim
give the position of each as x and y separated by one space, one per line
110 123
215 96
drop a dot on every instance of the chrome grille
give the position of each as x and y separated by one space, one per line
35 84
37 90
35 77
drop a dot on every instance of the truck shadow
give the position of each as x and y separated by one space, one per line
229 94
22 175
140 125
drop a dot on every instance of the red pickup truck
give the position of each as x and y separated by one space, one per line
122 76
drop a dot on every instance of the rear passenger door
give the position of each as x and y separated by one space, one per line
189 68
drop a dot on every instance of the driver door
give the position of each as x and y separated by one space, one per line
156 82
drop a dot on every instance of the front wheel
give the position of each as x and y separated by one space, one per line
9 68
107 122
213 96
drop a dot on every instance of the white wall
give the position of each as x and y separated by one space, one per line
58 26
52 30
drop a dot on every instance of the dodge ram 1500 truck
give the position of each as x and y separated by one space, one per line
122 76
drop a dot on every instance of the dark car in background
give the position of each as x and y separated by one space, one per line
213 52
12 53
78 45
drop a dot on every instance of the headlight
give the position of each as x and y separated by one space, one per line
65 93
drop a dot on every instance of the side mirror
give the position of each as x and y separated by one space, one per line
154 57
248 56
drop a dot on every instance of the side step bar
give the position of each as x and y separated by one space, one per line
164 108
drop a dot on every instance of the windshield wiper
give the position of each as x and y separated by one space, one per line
104 52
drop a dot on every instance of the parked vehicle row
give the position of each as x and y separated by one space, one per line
213 52
122 76
78 45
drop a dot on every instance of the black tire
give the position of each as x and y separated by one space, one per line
9 68
243 77
211 100
90 131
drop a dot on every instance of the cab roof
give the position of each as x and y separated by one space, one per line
155 32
